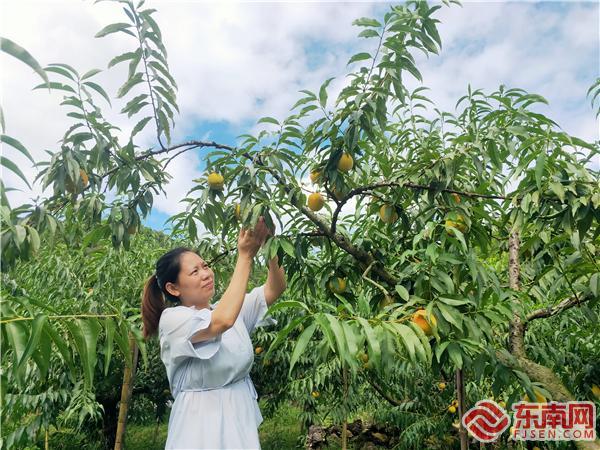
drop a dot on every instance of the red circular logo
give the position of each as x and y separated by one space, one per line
486 421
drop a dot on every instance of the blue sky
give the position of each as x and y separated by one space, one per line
237 62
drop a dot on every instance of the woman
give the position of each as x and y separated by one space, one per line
206 348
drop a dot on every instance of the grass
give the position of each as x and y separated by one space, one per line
281 432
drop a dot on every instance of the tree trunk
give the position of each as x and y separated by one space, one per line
128 378
534 371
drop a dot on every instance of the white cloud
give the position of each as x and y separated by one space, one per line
536 47
236 62
224 56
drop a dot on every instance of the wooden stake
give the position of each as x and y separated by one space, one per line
460 395
345 424
126 389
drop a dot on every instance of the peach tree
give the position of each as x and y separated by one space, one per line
415 240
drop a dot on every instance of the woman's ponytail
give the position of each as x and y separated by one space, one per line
153 305
153 298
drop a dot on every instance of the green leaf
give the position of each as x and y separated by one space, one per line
62 347
65 66
450 314
455 355
13 168
428 43
558 189
90 73
99 90
97 233
323 92
452 301
192 229
368 33
407 337
159 67
85 336
164 125
326 329
595 284
268 120
146 15
336 328
167 95
359 57
140 125
60 71
401 290
34 239
445 279
90 329
55 85
287 247
108 345
539 168
301 345
408 65
282 335
17 338
34 339
17 145
114 28
351 341
439 350
20 234
284 305
13 49
424 340
432 31
136 79
131 104
42 356
372 340
122 340
366 22
124 57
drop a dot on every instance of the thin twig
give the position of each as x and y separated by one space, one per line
70 316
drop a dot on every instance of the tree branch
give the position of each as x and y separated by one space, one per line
386 394
550 311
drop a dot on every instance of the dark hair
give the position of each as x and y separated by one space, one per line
153 298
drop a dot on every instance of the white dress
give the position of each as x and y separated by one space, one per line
215 403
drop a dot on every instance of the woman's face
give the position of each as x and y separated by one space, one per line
196 281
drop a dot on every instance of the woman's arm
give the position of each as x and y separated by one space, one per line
230 304
275 284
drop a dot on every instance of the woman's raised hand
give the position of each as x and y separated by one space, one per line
251 240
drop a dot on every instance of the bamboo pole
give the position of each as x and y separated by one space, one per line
126 389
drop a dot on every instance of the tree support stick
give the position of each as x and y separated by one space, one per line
126 389
460 395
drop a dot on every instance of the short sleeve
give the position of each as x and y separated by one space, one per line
176 328
254 309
